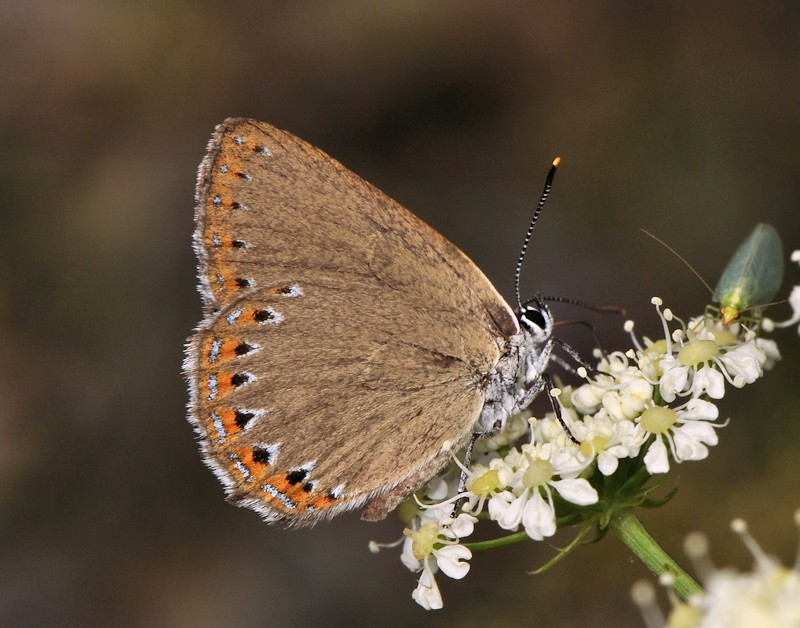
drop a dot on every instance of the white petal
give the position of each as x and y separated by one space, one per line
435 514
586 398
701 432
464 525
688 449
607 463
794 302
613 405
673 380
690 438
569 462
637 393
450 560
770 349
710 381
699 410
656 459
407 556
577 491
538 518
746 361
436 489
427 593
506 510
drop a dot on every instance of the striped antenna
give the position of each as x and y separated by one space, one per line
545 193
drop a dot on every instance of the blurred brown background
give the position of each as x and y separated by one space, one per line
680 118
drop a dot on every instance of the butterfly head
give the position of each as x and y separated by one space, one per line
535 318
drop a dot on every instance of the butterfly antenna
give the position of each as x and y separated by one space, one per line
600 309
545 193
679 256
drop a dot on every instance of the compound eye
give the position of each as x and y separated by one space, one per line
532 317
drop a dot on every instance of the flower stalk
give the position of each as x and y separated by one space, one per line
626 525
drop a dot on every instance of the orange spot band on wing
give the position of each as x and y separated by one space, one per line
217 201
253 464
293 496
222 383
217 351
223 422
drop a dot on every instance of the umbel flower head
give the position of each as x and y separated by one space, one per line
767 597
639 413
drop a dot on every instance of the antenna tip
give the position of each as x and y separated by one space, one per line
556 161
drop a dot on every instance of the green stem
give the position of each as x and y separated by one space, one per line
630 530
480 546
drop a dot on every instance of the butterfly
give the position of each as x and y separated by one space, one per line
346 347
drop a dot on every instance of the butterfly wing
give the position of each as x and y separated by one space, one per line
345 342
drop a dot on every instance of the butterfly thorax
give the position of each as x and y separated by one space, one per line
518 377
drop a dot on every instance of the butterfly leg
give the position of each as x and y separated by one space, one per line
548 384
572 353
462 481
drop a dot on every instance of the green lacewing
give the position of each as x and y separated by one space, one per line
754 274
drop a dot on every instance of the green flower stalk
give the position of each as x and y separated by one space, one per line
768 596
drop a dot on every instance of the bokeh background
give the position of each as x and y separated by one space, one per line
681 118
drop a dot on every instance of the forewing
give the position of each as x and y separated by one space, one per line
345 341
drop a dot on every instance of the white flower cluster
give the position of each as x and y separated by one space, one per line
653 404
766 597
794 302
